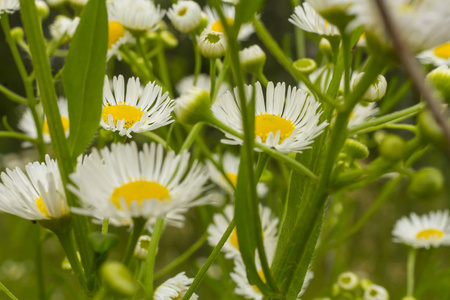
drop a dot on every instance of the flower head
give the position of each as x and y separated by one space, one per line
193 106
252 59
185 16
117 36
142 245
212 44
306 17
437 56
9 6
375 292
136 15
174 288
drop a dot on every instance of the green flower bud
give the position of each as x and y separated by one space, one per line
335 290
42 9
170 41
252 59
142 245
348 281
376 91
440 79
17 33
212 44
426 184
305 65
202 26
325 48
365 283
392 147
356 149
429 129
65 265
193 106
118 278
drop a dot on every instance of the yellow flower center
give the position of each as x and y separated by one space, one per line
119 112
443 51
232 177
182 11
41 206
430 233
234 239
218 26
115 32
139 191
266 123
263 278
65 124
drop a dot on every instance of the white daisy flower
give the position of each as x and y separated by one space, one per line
421 24
230 165
432 230
362 113
132 111
174 288
269 223
288 122
348 281
117 36
185 16
137 15
306 18
438 56
215 24
212 44
9 6
27 125
376 292
203 82
124 183
63 26
37 194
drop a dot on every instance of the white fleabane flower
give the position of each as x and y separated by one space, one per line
376 292
307 18
269 223
438 56
421 24
63 26
348 281
287 121
362 113
215 24
431 230
9 6
37 194
203 82
376 91
212 44
117 36
134 110
27 125
174 288
124 183
137 15
185 15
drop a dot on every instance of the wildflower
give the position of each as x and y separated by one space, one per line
64 27
215 24
440 79
185 16
9 6
438 56
306 17
335 11
174 288
135 110
203 82
376 292
376 91
212 44
362 113
431 230
142 245
348 281
288 122
252 59
122 183
117 36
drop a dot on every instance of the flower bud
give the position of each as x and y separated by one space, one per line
376 91
376 292
365 283
186 16
305 65
426 184
440 79
193 106
335 290
170 41
17 34
325 48
252 59
42 8
118 278
212 44
142 245
392 147
348 281
429 129
408 298
356 149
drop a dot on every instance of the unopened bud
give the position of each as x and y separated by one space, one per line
305 65
170 41
440 79
376 91
335 290
356 149
348 281
42 8
193 106
17 33
429 129
426 184
325 48
252 59
118 278
212 44
376 292
142 245
392 147
186 16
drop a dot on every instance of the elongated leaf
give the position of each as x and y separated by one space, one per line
246 10
83 75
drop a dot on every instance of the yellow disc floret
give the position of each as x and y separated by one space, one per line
41 206
129 113
443 51
234 239
65 124
139 191
263 278
232 177
430 234
266 123
218 26
115 32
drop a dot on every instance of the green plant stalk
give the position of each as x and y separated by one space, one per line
411 128
40 277
7 292
346 50
212 75
138 226
201 274
262 78
140 47
50 103
191 137
198 58
105 225
154 137
163 69
16 135
410 272
12 96
150 261
131 59
222 73
183 257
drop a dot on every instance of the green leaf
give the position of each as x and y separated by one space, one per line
83 75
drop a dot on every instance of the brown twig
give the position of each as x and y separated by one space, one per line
415 71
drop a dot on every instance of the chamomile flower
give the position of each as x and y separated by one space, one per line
174 288
269 223
307 18
438 56
185 16
27 125
375 292
122 183
203 82
37 194
136 15
212 44
362 113
432 230
134 111
117 36
421 24
230 165
9 6
215 24
288 122
63 27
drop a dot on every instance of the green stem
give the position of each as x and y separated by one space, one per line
154 137
198 59
141 50
16 135
7 292
138 226
262 78
212 75
183 257
191 137
410 272
12 96
131 59
201 274
150 261
346 47
164 71
39 267
105 226
222 73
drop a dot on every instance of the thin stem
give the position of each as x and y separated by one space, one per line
7 292
154 137
191 137
346 47
105 226
183 257
39 267
138 226
201 273
212 75
150 261
198 59
222 73
410 272
141 50
262 78
131 58
163 69
16 135
12 96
